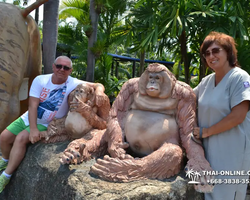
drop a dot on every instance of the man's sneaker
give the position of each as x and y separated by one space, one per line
3 164
3 182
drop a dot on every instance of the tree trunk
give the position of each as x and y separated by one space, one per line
202 70
183 41
37 16
50 28
142 62
94 16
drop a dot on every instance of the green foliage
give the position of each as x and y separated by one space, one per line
194 81
99 48
165 29
179 72
108 19
72 42
79 68
77 9
103 75
244 56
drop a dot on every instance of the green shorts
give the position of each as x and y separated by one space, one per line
18 125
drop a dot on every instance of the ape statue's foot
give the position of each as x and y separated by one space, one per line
76 152
116 170
56 131
200 166
91 145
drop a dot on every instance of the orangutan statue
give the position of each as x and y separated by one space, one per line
153 118
76 125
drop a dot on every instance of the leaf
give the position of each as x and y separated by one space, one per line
232 18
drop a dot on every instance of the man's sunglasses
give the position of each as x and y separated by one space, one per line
65 68
213 51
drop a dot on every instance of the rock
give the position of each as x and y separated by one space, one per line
40 177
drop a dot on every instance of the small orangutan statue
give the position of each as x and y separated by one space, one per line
75 124
153 118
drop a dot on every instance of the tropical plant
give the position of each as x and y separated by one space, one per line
172 29
111 83
179 27
88 13
243 56
50 29
140 32
72 42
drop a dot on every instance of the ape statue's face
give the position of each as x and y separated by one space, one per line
153 87
156 82
81 93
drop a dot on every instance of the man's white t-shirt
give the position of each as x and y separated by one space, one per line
53 98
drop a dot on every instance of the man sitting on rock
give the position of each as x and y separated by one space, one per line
47 99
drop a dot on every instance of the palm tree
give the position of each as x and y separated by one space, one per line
176 26
88 14
141 29
94 17
221 16
154 25
50 27
178 19
72 40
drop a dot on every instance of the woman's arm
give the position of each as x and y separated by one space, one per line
236 117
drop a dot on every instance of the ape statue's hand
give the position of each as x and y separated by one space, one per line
80 107
200 166
117 150
75 153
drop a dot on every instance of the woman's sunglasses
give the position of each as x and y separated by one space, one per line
213 51
65 68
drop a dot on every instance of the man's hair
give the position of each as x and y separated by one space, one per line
65 58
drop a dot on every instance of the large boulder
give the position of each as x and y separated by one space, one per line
40 176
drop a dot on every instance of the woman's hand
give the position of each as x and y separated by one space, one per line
200 133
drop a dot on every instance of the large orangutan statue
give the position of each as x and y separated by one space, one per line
154 117
20 57
79 124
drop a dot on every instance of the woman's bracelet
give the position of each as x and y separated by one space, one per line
201 129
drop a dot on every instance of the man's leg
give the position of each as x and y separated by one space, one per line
18 151
16 156
8 137
6 142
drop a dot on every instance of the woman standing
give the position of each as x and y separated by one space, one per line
224 117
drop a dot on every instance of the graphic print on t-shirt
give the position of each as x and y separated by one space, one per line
50 101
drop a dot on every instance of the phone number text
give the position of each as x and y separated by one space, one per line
228 181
